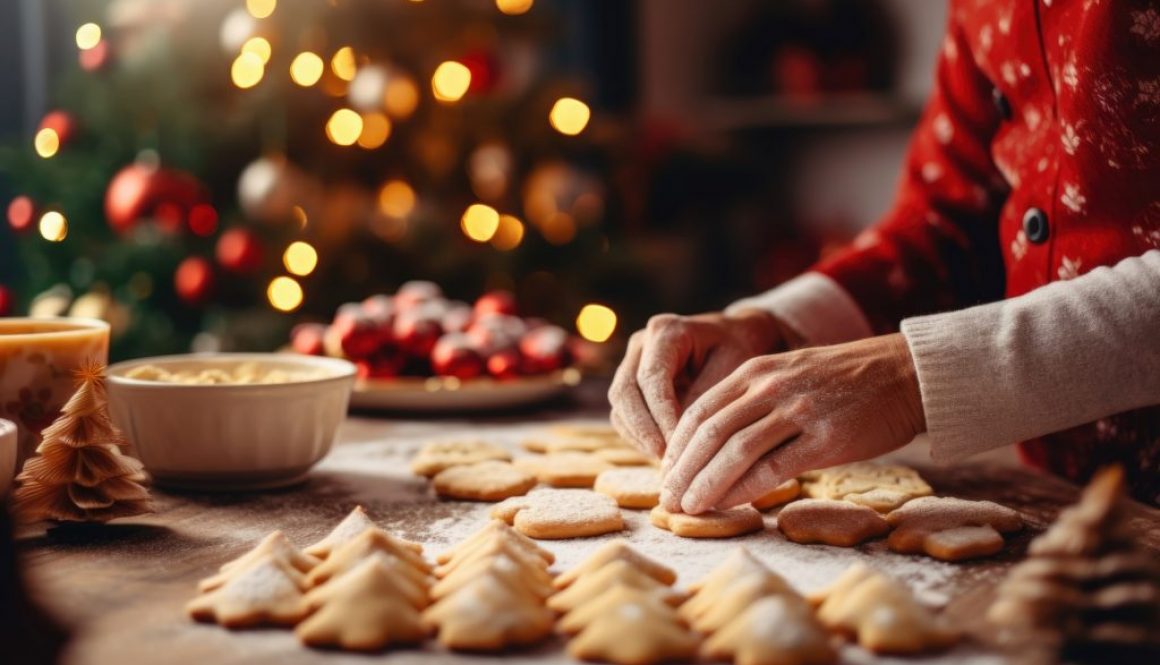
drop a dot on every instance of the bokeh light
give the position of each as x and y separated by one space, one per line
401 97
514 7
21 213
300 258
559 229
261 8
306 69
396 199
596 323
46 142
53 226
344 127
247 70
450 81
88 36
343 64
479 222
569 116
203 220
284 294
510 233
260 47
376 128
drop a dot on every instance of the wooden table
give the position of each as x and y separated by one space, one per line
123 588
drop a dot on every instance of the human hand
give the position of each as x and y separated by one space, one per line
674 360
780 415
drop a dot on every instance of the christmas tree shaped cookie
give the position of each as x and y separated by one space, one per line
79 473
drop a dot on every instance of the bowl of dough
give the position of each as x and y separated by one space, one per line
230 421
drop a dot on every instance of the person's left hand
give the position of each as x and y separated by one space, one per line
780 415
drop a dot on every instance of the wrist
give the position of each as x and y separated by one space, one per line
908 375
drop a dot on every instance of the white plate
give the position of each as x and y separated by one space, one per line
441 394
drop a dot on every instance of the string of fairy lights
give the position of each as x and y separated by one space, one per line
398 96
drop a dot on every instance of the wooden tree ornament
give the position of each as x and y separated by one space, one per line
1089 590
79 473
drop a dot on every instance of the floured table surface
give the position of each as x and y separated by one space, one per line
123 588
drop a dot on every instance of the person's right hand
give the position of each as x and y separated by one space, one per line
674 360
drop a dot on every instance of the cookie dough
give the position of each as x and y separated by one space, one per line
951 529
367 609
634 633
485 481
580 618
353 525
712 524
439 455
783 493
516 573
737 596
496 530
614 573
831 522
617 550
365 544
625 457
489 614
749 639
268 592
634 487
564 469
560 513
882 487
275 545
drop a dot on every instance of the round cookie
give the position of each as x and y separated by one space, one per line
560 513
838 523
439 455
713 524
625 457
484 481
882 487
632 487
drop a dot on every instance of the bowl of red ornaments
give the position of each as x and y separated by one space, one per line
418 350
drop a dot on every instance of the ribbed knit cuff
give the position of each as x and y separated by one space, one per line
815 307
957 378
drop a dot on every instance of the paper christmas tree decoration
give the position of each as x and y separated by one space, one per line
1088 589
79 473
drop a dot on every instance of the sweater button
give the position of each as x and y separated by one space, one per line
1035 225
1001 104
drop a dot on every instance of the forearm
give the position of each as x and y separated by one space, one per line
1066 354
812 310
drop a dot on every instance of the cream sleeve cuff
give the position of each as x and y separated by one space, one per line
816 307
1063 355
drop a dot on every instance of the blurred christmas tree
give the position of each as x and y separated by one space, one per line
214 173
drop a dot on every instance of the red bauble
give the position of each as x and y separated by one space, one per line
415 292
379 306
506 364
496 302
137 191
454 355
193 280
307 339
545 349
496 332
61 122
5 301
458 317
484 72
21 214
353 336
239 250
95 58
385 364
415 333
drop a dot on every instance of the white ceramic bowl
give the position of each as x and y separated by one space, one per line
230 436
7 456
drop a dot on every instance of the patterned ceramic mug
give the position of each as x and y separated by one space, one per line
37 360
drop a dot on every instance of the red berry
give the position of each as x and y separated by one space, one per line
307 339
415 292
453 355
353 336
505 364
545 349
496 302
416 334
384 364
